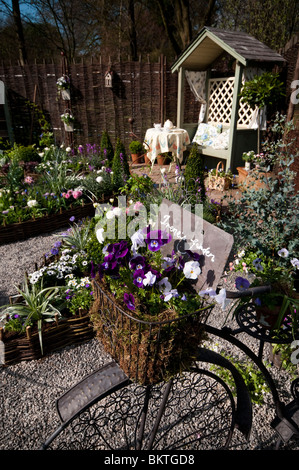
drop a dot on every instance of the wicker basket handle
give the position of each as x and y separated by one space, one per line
217 167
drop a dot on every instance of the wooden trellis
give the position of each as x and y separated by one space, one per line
221 94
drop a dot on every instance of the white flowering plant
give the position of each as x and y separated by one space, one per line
67 118
63 83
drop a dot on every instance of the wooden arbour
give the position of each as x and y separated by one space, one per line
247 53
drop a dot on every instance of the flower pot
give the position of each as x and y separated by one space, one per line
69 127
247 166
66 94
162 160
136 158
149 350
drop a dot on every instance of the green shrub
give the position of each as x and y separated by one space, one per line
136 147
106 151
26 154
120 166
194 171
265 219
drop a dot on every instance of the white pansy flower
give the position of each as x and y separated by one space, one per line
99 179
164 285
221 299
283 253
99 235
192 269
149 279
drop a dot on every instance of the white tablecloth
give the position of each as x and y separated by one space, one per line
161 140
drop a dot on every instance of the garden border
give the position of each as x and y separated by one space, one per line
30 228
66 332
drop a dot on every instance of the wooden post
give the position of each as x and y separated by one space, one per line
28 332
181 90
234 116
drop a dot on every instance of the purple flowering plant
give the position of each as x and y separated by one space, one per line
144 280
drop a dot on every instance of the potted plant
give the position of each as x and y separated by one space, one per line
136 149
248 158
68 120
278 303
145 305
263 90
163 158
63 85
35 306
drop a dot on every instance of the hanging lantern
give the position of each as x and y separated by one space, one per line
108 79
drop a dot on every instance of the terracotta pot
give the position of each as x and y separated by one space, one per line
136 158
147 160
162 160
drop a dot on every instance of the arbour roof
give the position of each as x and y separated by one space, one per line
211 42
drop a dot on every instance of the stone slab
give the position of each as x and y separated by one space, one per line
190 231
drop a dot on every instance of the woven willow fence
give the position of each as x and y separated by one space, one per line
144 92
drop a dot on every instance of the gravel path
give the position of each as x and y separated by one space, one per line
28 390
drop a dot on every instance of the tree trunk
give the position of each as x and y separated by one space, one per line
19 31
132 31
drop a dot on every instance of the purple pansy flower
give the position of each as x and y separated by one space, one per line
138 277
157 238
242 283
138 262
129 301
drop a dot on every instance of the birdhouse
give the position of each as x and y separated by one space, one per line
108 79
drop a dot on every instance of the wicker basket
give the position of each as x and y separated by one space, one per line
148 351
220 183
31 228
26 346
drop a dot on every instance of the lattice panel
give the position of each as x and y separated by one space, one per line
221 91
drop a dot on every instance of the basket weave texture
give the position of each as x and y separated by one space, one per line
148 351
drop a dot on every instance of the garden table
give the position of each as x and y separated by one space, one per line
160 140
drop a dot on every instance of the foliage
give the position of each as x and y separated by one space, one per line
36 306
264 219
194 171
63 83
138 187
106 152
284 353
280 274
136 147
67 118
98 184
120 166
252 376
77 236
248 156
21 153
263 90
78 294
